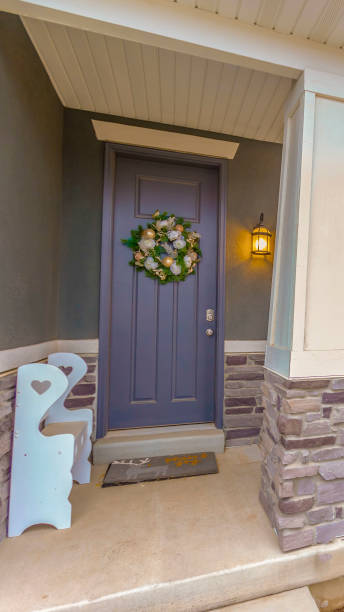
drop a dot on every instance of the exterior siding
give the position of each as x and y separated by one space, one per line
31 122
252 187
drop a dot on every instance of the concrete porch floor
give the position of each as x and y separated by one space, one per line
188 544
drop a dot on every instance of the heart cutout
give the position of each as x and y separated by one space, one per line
40 386
66 369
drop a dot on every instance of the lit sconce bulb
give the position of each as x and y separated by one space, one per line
261 238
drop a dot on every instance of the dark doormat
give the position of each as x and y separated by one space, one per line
128 471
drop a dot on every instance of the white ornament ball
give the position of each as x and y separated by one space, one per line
150 264
173 235
161 224
175 269
179 243
147 244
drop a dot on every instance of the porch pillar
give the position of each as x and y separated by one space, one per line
303 430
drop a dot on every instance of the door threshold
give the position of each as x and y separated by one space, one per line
157 441
143 431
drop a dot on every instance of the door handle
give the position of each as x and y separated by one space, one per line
209 331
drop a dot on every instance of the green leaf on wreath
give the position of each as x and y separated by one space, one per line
130 243
158 250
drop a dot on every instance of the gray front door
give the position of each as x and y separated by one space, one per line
162 363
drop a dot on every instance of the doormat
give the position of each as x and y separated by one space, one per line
129 471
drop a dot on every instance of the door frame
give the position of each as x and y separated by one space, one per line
105 306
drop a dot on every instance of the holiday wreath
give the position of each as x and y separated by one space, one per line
167 249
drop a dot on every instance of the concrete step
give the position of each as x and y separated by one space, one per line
155 441
297 600
189 544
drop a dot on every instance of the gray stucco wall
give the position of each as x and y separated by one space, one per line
253 188
83 169
50 242
31 120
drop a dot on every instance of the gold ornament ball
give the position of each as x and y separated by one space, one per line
193 256
167 261
138 256
179 228
148 233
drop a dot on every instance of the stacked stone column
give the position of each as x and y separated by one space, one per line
302 439
243 409
7 399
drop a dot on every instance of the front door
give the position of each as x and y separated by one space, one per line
162 362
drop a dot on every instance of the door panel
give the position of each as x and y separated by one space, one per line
183 197
162 364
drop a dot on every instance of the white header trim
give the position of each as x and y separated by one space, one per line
161 139
15 357
245 346
78 346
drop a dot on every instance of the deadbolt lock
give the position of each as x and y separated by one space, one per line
210 314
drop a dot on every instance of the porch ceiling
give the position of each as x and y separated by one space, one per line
318 20
110 75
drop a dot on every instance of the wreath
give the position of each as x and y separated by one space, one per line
167 249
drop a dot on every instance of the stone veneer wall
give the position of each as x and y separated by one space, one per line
243 407
7 398
82 396
302 439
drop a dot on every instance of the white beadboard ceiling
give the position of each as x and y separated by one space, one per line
109 75
318 20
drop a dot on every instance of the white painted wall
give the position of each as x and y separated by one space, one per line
325 286
287 232
306 331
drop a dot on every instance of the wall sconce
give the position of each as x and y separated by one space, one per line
261 238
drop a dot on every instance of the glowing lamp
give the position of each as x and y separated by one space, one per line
261 238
